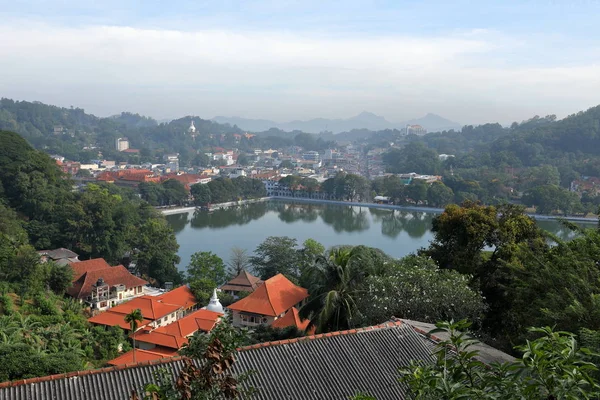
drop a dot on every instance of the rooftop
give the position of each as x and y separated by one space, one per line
142 356
119 275
335 365
243 282
291 318
181 296
275 296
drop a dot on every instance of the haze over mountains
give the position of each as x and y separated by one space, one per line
364 120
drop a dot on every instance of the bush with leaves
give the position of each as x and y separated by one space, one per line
552 367
417 289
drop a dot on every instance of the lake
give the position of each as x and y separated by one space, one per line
398 233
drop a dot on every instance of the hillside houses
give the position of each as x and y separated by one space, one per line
101 286
268 302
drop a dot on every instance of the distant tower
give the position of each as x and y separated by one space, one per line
192 128
214 303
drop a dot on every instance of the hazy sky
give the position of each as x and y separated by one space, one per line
469 61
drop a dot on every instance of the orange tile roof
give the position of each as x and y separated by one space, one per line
291 318
275 296
174 335
142 355
150 307
161 339
181 296
110 318
119 275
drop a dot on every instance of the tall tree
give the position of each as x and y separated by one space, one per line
277 254
206 265
238 261
134 318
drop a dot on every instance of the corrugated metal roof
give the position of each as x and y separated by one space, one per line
330 366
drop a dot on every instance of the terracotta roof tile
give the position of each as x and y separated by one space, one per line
243 282
275 296
119 275
150 307
110 318
181 296
81 267
291 318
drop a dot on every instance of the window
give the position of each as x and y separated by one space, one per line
102 304
165 319
173 315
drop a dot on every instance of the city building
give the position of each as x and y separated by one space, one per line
415 130
172 162
122 144
269 302
311 156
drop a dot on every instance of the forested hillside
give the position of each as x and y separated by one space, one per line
551 165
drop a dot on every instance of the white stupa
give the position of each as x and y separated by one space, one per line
192 128
214 304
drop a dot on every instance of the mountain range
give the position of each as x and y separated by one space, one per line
364 120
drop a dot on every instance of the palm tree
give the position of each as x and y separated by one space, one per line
333 285
132 319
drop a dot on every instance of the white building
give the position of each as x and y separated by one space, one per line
122 144
311 155
192 128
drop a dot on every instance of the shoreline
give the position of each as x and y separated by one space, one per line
433 210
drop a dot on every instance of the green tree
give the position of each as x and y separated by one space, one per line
175 192
206 265
134 318
60 278
156 251
335 284
417 191
552 367
201 193
277 254
439 195
417 289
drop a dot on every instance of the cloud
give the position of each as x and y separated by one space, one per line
251 72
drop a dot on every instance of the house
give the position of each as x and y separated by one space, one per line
244 282
164 340
175 335
157 311
333 365
60 256
292 318
101 286
269 302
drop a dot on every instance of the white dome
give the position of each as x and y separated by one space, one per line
214 304
192 128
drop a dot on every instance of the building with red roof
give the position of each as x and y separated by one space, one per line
269 302
244 282
181 296
142 356
175 335
101 286
292 318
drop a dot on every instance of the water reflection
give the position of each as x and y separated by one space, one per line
340 218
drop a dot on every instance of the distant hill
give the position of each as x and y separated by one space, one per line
362 121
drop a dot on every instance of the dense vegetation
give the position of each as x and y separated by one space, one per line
40 332
534 162
223 190
81 136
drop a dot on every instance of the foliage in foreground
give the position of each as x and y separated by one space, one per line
210 376
552 367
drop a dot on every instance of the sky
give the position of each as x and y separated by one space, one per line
471 62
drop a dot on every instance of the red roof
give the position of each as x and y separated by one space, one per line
291 318
181 296
161 339
150 307
142 355
98 268
272 298
81 267
110 318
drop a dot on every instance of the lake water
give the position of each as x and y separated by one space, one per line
398 233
